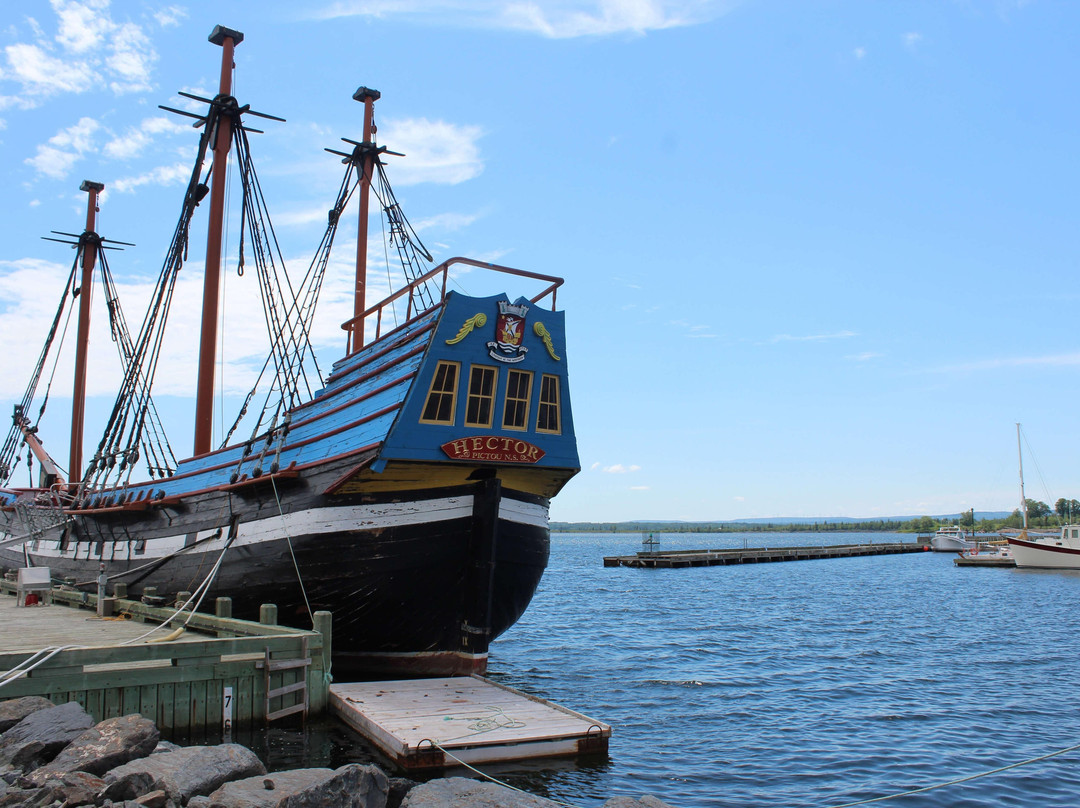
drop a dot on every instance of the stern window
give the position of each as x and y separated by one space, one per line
548 418
481 396
439 408
516 408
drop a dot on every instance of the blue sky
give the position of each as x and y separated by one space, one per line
820 256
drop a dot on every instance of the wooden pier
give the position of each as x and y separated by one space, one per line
985 560
439 723
712 558
219 673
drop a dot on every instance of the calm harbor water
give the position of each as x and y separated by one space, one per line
810 683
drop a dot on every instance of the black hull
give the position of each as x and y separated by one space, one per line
418 582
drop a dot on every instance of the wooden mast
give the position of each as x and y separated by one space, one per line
89 242
369 151
222 139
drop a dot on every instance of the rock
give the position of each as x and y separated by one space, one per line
104 746
266 790
155 799
183 773
166 746
70 788
40 736
629 802
199 802
13 711
351 786
460 792
398 788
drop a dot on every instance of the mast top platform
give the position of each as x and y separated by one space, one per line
217 36
90 185
364 93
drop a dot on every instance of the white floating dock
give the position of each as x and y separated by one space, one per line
427 723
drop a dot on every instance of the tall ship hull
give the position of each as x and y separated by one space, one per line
408 495
1048 552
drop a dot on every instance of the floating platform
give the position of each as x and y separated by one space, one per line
218 674
712 558
438 723
984 560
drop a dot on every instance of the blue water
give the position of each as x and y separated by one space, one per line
809 683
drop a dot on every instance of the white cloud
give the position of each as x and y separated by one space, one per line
40 73
865 356
437 151
619 468
639 488
169 16
912 39
131 60
860 53
178 173
82 26
132 142
556 19
810 337
64 149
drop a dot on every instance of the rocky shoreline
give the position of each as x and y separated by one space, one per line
55 755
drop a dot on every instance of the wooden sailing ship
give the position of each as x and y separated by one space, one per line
407 492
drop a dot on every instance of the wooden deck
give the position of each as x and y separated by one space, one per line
987 560
215 675
711 558
436 723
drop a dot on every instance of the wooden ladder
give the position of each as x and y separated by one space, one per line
270 666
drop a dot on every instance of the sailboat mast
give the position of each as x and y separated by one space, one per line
88 243
228 39
1023 499
368 97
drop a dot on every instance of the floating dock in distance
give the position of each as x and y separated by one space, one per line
212 678
988 560
713 558
438 723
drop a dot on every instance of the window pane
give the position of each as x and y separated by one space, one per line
439 407
547 418
481 396
516 408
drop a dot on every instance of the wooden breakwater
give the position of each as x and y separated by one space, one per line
221 673
715 558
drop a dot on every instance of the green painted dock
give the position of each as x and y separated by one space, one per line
219 673
759 555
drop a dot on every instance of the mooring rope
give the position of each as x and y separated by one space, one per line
960 779
288 539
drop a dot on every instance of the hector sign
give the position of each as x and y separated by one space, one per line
492 448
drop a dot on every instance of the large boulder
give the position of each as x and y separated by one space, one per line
40 736
105 746
13 711
460 792
629 802
182 773
351 786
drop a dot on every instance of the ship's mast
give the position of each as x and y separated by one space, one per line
369 152
89 242
1023 499
228 39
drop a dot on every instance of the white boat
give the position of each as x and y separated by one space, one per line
950 539
1061 552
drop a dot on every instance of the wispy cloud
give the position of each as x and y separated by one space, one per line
912 39
136 139
162 175
554 19
1056 360
859 53
56 158
809 337
865 356
619 468
438 151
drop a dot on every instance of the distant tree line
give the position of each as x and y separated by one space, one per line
1040 515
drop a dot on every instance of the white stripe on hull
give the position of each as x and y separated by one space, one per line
318 521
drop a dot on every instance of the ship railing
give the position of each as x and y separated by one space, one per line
356 326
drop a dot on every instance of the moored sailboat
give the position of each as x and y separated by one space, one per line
407 492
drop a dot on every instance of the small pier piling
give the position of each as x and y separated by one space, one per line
713 558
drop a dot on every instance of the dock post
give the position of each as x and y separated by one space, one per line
119 590
223 607
323 623
102 579
268 614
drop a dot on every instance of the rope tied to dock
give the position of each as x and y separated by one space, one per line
961 779
487 776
